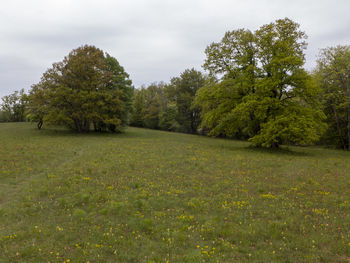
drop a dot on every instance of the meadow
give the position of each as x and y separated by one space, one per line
154 196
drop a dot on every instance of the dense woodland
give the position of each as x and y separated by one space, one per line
255 87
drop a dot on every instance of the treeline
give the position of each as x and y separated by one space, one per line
13 107
169 106
255 88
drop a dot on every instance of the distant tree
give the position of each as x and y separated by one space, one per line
13 107
155 103
139 108
167 118
152 113
183 90
263 93
149 103
86 88
333 74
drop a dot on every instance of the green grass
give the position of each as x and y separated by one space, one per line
153 196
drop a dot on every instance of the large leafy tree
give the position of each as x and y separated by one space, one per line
87 88
262 91
333 74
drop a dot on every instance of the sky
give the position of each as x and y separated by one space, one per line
154 40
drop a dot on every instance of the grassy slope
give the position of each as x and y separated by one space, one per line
152 196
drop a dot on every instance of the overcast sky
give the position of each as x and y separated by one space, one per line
153 40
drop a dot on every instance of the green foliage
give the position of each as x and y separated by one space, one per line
296 126
333 75
122 83
169 106
216 101
13 107
264 93
3 116
167 118
149 105
184 89
39 103
153 109
137 118
155 103
86 88
233 57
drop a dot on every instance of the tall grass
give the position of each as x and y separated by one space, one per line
153 196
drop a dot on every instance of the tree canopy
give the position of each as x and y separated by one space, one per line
182 91
149 104
87 88
260 90
333 75
13 107
169 106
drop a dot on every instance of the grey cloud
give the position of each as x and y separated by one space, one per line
155 39
16 73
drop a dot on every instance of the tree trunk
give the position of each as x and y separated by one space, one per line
86 126
77 124
40 124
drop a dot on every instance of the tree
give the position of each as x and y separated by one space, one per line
216 100
122 83
139 107
333 74
155 104
149 103
262 92
152 112
234 57
13 106
183 92
167 118
86 88
38 105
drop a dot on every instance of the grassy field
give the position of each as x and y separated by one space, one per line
153 196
